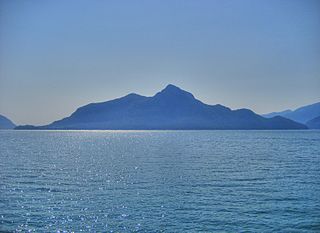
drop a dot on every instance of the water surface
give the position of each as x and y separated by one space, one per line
160 181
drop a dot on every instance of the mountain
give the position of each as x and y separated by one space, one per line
273 114
27 127
5 123
301 115
171 108
314 123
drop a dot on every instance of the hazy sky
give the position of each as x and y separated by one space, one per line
58 55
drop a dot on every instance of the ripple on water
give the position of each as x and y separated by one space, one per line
173 181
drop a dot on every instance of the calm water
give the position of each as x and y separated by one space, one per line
160 181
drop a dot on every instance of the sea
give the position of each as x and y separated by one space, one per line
160 181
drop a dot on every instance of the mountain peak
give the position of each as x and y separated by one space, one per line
171 87
172 90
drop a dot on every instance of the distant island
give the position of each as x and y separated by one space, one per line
302 115
170 109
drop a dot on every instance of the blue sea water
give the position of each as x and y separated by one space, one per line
160 181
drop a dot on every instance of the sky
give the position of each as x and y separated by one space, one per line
56 56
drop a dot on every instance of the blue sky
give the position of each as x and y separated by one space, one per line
58 55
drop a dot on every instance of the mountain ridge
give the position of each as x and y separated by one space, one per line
302 114
171 108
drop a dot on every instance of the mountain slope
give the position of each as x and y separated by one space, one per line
273 114
314 123
302 114
5 123
172 108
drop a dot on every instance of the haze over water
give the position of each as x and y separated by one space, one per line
153 181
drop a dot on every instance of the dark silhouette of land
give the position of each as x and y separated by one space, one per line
314 123
6 123
301 115
171 108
